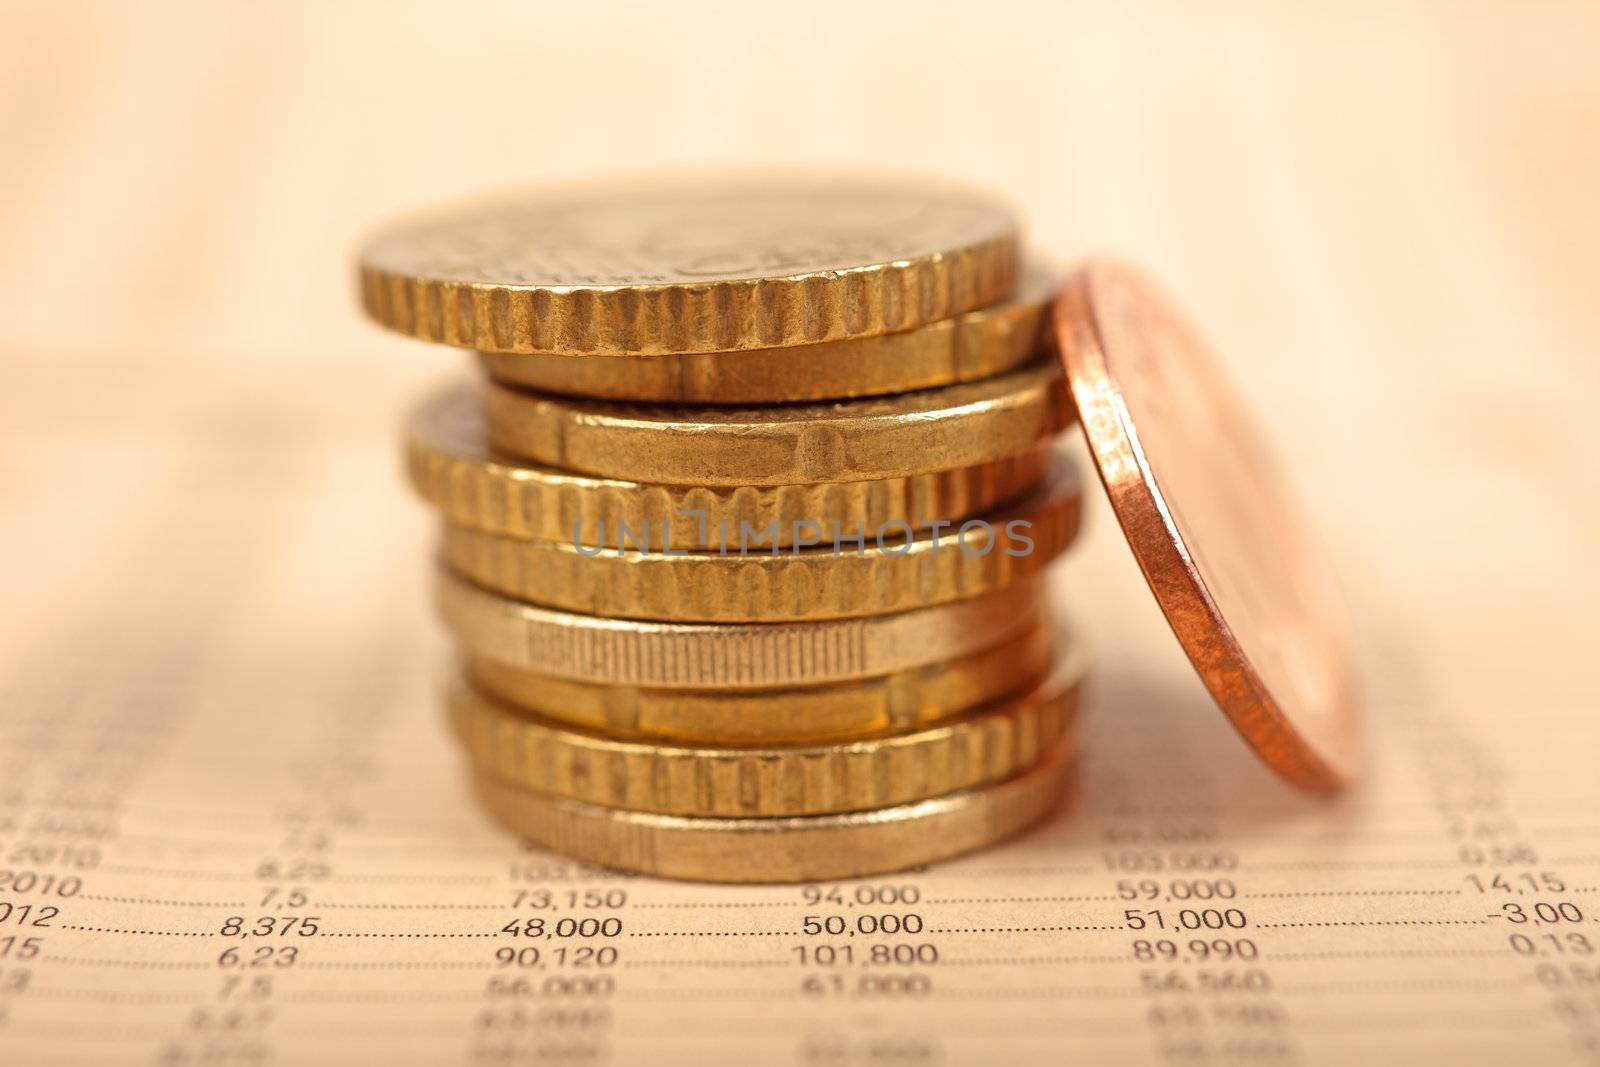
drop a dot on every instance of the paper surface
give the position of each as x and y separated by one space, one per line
233 828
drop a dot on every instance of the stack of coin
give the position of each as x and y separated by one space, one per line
744 533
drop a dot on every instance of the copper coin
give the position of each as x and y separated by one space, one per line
1213 523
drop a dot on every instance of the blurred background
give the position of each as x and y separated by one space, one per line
1383 214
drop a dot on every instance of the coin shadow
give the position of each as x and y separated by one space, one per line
1158 764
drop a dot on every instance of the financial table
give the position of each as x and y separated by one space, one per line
233 829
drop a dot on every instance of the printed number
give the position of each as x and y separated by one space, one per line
266 956
271 926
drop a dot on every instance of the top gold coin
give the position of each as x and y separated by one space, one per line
691 263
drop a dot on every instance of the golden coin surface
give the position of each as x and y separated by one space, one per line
978 344
986 745
1214 525
728 655
904 700
691 263
796 849
854 440
756 581
452 466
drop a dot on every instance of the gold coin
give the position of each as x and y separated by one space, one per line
986 745
755 581
453 468
904 700
855 440
797 849
979 344
692 263
724 655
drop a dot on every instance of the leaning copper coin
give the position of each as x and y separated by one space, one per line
1213 524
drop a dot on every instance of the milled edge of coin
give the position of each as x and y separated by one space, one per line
451 466
824 582
977 344
905 700
853 440
712 314
985 745
718 655
800 849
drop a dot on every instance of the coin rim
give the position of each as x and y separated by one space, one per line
976 344
984 744
475 486
976 422
782 586
785 850
730 655
998 667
